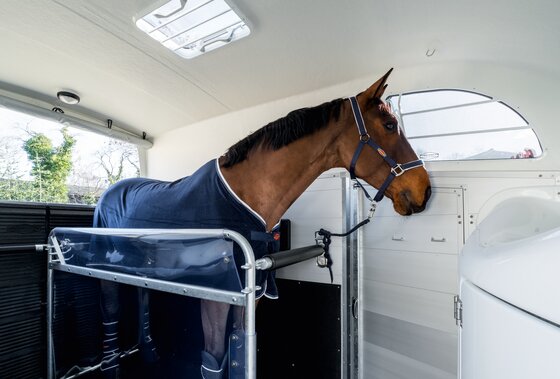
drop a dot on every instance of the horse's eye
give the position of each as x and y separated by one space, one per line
390 126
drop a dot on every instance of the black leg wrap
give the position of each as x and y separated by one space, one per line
147 346
111 350
210 369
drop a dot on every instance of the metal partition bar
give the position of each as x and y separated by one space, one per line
350 293
249 291
245 298
221 296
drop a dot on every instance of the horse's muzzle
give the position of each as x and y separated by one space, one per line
410 205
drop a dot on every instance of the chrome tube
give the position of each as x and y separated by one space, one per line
50 304
200 292
249 291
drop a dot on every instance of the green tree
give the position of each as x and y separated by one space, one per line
50 166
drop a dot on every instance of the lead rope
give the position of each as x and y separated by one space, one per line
325 259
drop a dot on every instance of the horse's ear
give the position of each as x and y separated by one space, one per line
376 90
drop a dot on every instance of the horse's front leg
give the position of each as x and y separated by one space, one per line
214 322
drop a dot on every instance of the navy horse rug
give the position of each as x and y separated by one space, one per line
203 200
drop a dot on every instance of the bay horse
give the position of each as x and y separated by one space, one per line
254 183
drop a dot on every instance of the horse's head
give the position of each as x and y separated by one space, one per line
383 144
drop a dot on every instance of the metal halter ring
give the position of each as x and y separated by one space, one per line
365 137
397 170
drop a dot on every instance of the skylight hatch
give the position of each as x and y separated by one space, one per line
193 27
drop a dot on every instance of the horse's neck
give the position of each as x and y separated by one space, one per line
270 181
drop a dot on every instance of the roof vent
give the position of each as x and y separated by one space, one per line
193 27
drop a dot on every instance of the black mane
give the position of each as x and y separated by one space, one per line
279 133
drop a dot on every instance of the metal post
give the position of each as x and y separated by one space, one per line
350 294
249 290
50 305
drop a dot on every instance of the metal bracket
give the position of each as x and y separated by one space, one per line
57 250
372 209
458 310
319 239
322 261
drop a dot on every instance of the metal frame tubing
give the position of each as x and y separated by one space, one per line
50 304
245 298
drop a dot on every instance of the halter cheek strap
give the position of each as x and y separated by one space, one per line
397 169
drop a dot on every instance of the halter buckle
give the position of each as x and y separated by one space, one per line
397 170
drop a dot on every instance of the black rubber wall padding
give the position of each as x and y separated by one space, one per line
299 335
23 288
22 223
70 215
22 316
285 234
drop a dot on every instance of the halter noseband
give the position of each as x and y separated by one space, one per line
397 169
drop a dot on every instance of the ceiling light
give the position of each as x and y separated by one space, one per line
191 28
68 97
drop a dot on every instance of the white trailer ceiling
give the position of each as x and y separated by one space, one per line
94 48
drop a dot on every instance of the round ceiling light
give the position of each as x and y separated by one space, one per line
68 97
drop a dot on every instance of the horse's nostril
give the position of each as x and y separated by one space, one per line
427 194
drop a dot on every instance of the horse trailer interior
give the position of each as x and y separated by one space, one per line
263 189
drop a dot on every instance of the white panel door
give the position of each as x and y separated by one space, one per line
407 281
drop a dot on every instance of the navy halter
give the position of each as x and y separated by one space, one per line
397 169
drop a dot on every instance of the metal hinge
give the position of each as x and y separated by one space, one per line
458 310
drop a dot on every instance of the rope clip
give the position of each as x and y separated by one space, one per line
372 209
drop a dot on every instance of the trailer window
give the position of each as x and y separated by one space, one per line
462 125
43 161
